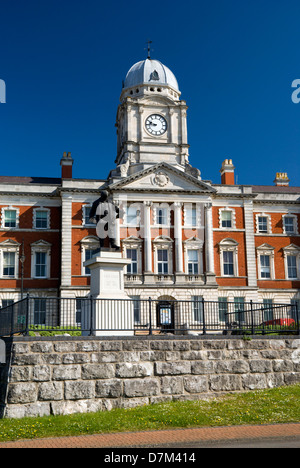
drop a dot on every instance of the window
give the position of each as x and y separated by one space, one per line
228 269
41 218
9 263
197 305
226 219
267 309
162 261
10 218
136 308
78 313
265 271
292 266
290 224
163 256
190 212
89 253
239 309
132 215
40 265
229 259
86 209
262 222
40 259
9 258
265 262
193 263
222 309
291 255
7 303
39 311
161 217
132 268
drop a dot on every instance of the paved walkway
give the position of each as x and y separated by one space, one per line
161 438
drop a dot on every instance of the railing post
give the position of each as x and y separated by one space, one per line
91 319
27 316
150 315
252 317
298 318
204 318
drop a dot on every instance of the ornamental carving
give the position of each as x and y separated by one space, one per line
161 179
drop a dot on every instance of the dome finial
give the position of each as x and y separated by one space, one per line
149 49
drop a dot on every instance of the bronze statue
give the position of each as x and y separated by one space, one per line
105 214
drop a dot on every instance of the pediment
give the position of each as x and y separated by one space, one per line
162 177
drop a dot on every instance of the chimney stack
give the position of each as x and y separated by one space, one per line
282 179
66 163
227 172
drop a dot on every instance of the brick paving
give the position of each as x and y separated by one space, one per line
160 438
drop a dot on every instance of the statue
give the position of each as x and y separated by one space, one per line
105 214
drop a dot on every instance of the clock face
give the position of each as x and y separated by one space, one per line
156 124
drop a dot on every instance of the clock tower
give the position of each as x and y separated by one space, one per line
151 120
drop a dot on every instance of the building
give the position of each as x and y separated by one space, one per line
187 237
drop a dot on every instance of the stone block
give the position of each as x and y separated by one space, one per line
171 385
66 372
225 383
79 390
128 369
141 387
172 368
25 392
195 384
97 371
50 391
109 388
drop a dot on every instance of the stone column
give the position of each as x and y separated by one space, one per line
209 245
250 243
147 237
66 241
178 237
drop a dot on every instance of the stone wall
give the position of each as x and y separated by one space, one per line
63 375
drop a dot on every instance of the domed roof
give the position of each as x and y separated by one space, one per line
150 71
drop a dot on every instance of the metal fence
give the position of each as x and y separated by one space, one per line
89 316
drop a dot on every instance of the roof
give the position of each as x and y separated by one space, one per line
274 189
150 71
30 180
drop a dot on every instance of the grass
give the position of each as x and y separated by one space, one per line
271 406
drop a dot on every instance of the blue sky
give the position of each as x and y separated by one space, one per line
63 63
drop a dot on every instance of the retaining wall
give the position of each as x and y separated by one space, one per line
64 375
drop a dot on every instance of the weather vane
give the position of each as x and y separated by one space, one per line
149 48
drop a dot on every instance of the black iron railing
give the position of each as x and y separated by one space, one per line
87 316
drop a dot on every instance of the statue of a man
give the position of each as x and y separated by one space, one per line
105 214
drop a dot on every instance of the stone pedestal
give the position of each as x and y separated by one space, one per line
112 309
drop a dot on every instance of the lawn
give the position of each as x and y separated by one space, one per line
273 406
